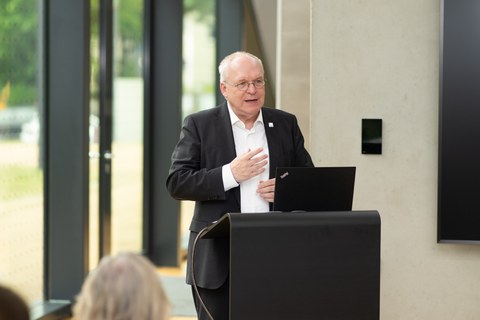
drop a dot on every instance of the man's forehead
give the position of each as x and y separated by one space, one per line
243 62
248 69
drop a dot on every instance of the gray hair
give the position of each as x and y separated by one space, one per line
126 287
224 64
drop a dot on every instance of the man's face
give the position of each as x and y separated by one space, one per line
245 103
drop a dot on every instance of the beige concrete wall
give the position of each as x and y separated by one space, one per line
293 61
380 59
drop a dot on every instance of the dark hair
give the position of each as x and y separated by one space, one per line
12 306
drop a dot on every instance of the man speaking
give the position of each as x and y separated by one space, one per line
225 161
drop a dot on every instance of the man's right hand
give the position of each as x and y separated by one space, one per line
248 165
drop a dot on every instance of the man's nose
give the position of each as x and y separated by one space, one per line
251 87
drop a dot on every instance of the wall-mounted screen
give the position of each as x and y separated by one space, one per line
459 126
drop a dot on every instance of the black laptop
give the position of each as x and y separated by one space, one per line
314 189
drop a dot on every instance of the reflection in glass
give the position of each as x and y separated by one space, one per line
21 138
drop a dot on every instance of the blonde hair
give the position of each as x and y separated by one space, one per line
122 287
225 63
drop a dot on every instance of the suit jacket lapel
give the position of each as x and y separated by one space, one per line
226 131
273 140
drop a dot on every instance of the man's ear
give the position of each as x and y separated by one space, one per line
223 89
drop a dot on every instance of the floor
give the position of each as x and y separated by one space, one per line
180 294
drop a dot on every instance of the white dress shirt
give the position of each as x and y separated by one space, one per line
248 140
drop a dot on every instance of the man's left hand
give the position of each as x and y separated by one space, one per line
266 189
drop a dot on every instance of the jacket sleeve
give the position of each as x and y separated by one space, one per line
188 178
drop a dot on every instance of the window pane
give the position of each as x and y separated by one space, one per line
94 138
127 144
199 67
199 70
21 171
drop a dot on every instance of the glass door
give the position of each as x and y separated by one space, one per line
116 128
127 125
94 135
199 72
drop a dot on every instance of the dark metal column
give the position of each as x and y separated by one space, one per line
106 111
229 32
163 92
67 174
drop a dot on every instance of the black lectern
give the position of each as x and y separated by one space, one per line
303 266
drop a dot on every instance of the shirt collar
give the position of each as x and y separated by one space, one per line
234 119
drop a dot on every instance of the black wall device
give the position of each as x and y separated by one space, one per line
372 136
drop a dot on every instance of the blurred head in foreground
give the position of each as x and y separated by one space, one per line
12 306
122 287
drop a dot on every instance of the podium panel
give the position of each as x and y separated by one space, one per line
303 266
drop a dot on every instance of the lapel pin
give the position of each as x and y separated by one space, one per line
270 124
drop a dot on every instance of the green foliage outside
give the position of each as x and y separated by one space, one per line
19 42
18 50
203 10
130 28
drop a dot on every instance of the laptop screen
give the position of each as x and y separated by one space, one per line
314 189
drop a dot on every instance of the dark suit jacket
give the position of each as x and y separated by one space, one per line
206 144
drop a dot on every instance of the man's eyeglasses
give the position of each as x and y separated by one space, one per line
244 85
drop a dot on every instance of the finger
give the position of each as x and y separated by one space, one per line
252 153
257 171
268 196
267 183
259 158
260 164
265 190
